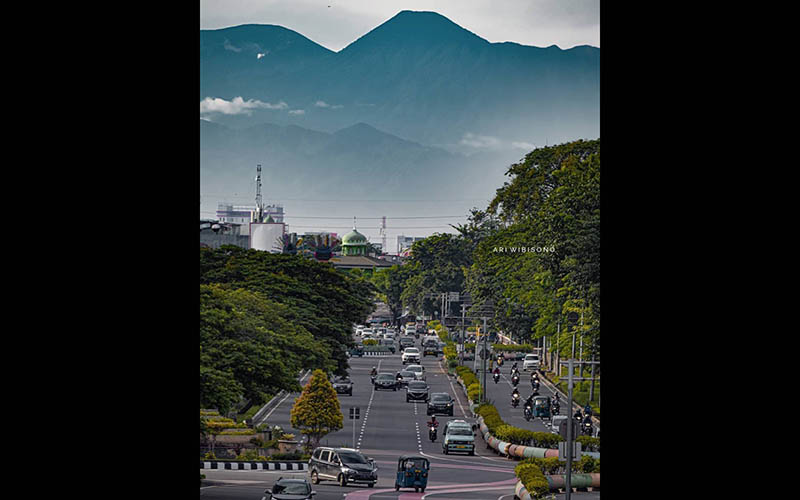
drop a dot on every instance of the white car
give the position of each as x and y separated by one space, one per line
411 354
531 362
419 371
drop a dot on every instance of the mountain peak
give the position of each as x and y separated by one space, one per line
423 28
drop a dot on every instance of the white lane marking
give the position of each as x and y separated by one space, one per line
465 490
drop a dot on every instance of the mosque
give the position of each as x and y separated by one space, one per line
355 254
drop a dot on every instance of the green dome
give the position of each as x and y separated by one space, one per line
354 238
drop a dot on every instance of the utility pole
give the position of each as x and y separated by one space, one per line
570 437
461 354
485 351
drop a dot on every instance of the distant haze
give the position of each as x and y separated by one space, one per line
540 23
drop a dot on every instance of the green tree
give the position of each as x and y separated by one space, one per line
250 348
390 282
436 265
318 298
316 412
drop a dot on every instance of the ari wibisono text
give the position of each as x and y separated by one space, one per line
524 249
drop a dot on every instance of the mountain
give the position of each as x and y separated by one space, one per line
359 162
418 76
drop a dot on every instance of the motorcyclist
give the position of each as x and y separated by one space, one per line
398 377
586 426
515 395
496 374
434 425
529 400
578 416
374 372
587 410
514 368
534 376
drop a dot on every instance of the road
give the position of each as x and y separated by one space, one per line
390 427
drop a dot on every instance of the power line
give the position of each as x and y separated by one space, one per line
418 200
377 218
391 227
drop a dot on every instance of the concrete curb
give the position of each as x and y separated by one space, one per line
520 451
296 465
259 416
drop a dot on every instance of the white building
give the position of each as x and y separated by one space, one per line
404 242
244 215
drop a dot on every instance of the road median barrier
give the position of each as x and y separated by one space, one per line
297 465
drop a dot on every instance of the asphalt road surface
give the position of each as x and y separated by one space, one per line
390 427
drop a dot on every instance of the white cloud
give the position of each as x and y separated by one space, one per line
297 111
323 104
523 145
236 106
480 141
488 142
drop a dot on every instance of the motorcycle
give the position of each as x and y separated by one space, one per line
515 400
586 428
432 434
555 408
535 386
496 377
515 380
528 412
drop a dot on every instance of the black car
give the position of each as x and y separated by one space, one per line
440 402
343 385
431 347
417 390
343 465
290 489
406 342
386 381
405 377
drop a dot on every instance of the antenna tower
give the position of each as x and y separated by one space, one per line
259 207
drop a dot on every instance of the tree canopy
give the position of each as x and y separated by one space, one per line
264 317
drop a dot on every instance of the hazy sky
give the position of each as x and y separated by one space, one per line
540 23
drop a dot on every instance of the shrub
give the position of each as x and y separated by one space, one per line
589 443
239 432
533 479
474 392
210 456
370 342
250 456
295 455
587 464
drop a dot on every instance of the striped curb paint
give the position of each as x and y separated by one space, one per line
233 465
521 451
378 353
577 480
521 492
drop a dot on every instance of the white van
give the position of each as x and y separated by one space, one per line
531 362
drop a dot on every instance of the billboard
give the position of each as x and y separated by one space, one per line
267 237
